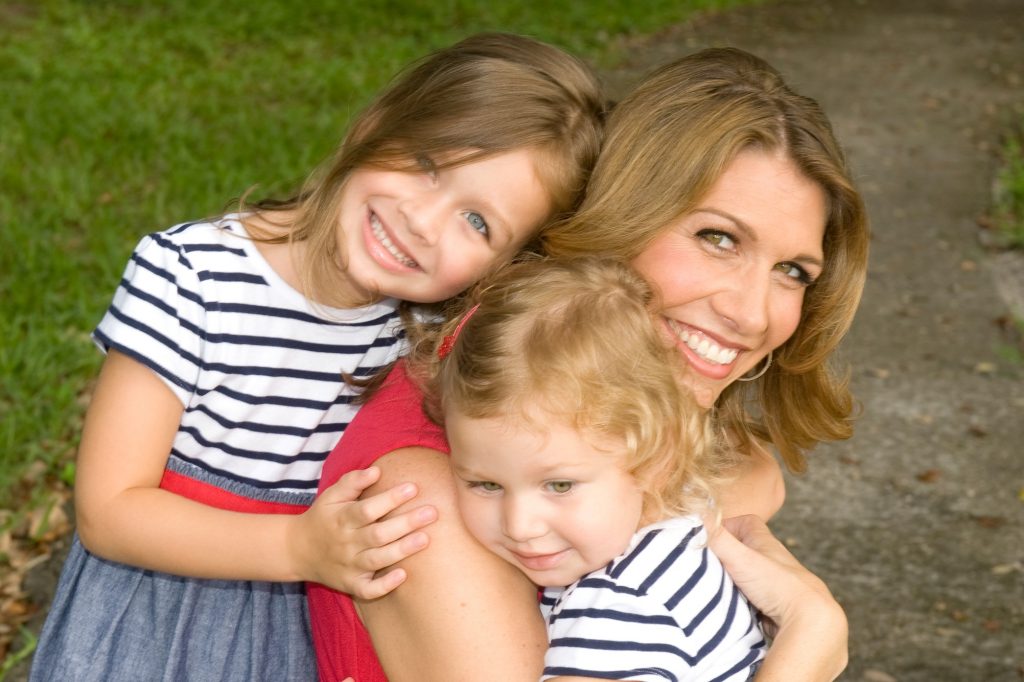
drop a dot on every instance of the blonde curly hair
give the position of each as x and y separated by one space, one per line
576 339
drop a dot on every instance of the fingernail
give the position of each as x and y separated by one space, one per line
408 490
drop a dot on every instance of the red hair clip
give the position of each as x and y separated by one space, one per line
448 342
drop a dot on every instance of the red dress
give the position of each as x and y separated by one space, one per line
391 420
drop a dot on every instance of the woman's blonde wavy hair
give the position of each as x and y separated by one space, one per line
665 146
576 340
487 94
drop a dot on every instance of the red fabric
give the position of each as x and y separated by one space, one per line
391 420
212 496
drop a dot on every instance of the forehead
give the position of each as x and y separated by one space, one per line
536 440
767 192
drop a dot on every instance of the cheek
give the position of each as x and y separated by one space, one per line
464 266
676 280
478 516
786 319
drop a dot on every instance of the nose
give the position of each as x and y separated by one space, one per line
745 299
425 216
521 521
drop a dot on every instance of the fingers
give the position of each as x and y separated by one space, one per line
380 505
754 533
381 585
349 487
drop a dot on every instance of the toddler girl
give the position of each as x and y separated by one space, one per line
585 464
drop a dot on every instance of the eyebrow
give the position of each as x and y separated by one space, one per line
749 233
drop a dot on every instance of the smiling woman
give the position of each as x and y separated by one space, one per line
731 274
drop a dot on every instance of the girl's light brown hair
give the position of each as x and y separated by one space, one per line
666 145
487 94
576 340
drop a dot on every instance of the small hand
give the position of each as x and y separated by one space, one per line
341 541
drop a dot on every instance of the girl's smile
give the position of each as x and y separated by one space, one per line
425 236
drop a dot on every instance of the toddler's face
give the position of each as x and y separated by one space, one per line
543 497
425 236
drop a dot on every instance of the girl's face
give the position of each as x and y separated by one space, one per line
543 498
731 275
426 236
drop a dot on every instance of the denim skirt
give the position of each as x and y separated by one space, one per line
112 622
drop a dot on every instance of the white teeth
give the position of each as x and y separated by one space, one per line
382 237
704 347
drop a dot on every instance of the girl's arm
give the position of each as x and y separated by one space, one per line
123 514
463 613
810 644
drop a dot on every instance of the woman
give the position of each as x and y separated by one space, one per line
728 192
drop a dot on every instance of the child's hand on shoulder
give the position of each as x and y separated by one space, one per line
343 542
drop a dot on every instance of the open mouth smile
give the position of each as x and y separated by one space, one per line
703 347
390 246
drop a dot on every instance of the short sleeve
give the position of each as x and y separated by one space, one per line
614 635
157 316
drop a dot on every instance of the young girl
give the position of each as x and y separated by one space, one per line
582 462
227 345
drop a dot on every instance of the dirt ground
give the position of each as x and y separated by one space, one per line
917 523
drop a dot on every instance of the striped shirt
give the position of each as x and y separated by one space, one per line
663 610
257 367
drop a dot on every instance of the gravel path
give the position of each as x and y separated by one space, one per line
917 523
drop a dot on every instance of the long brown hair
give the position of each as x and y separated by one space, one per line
487 94
666 145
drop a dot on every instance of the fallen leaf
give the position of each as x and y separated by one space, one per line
992 625
985 368
977 431
991 522
929 475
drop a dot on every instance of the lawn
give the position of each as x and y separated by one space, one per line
121 118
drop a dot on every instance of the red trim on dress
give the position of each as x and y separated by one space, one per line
212 496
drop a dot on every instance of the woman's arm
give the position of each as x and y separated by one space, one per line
758 487
463 613
124 515
810 644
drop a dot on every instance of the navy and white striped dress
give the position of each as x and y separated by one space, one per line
663 610
258 369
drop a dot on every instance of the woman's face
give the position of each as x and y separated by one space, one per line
730 276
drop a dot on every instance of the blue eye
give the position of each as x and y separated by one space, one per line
477 222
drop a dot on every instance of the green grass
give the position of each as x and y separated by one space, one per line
1009 196
121 118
